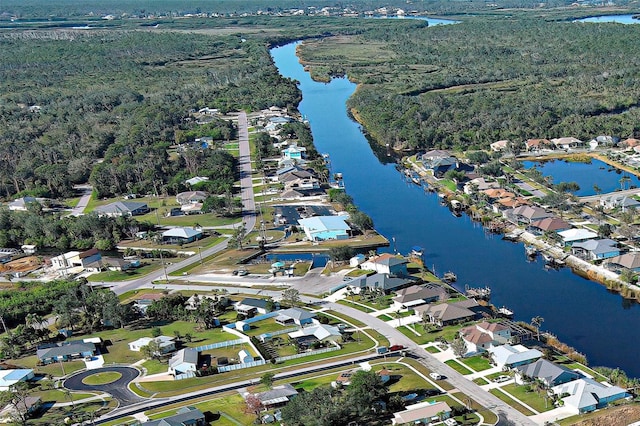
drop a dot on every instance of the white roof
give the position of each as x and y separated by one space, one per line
196 180
181 232
144 341
586 392
320 332
11 377
576 234
508 355
324 223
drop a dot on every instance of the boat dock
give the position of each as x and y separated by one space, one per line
482 293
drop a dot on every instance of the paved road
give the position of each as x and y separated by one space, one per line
118 389
248 212
78 210
597 197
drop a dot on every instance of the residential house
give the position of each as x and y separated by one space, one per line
22 204
484 335
186 416
17 409
293 174
297 316
196 180
244 356
553 223
596 249
320 228
10 377
630 143
423 413
204 142
65 351
275 397
181 235
321 332
357 260
184 361
387 264
479 184
499 146
534 145
250 306
587 395
191 208
122 208
567 143
613 201
75 261
166 344
191 197
294 152
444 314
419 295
143 301
629 261
527 214
497 193
576 235
546 372
117 264
377 281
507 356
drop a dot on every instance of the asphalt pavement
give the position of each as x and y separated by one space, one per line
118 389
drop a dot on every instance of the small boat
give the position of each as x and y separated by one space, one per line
417 251
505 312
456 205
531 251
450 277
511 236
483 293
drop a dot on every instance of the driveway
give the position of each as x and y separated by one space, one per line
119 389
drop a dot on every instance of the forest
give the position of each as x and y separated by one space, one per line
470 84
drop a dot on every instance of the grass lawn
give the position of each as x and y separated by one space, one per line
432 349
150 265
382 341
201 244
102 378
56 415
511 402
403 379
577 366
131 295
153 366
355 305
533 399
375 303
57 395
477 363
480 381
458 367
266 326
345 318
231 405
57 369
449 333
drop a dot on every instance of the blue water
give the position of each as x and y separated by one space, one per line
620 19
432 21
582 313
586 175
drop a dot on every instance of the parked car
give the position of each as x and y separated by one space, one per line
436 376
394 348
501 379
243 272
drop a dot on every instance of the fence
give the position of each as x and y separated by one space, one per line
234 367
296 356
220 345
266 336
187 375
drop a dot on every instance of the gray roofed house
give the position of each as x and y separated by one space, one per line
65 351
186 416
250 305
507 356
296 316
548 373
379 281
527 214
596 249
122 208
275 397
386 263
629 260
190 197
419 295
617 200
183 361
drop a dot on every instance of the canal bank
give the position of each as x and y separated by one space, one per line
580 312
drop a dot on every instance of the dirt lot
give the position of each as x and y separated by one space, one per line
620 416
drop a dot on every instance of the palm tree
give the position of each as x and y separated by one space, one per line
537 322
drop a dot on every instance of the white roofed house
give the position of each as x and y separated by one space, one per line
321 332
297 316
613 201
507 356
122 208
191 197
196 180
499 146
386 263
320 228
576 235
275 397
9 378
567 142
586 395
166 344
181 235
22 204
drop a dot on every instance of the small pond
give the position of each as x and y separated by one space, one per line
319 260
620 19
586 175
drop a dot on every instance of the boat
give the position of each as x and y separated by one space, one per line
417 251
531 251
483 293
505 312
511 236
450 277
456 205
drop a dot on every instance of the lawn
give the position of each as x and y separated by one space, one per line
511 402
355 306
149 266
345 318
231 405
374 302
56 370
432 349
154 366
101 378
480 381
57 395
56 415
458 367
533 399
266 326
477 363
448 333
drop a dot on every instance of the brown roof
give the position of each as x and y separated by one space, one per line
491 326
551 224
88 253
630 142
512 202
498 193
473 335
537 142
629 260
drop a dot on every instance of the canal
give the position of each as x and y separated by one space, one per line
580 312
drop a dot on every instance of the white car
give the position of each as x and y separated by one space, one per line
436 376
501 379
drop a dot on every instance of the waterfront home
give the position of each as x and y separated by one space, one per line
65 351
274 397
386 263
526 214
479 184
484 335
422 413
357 260
507 356
377 281
181 235
419 295
497 193
553 223
165 344
630 261
184 361
613 201
508 203
567 142
122 208
586 395
186 416
499 146
294 174
191 197
294 152
444 314
250 306
534 145
320 228
596 249
75 261
576 235
319 332
546 372
297 316
11 377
